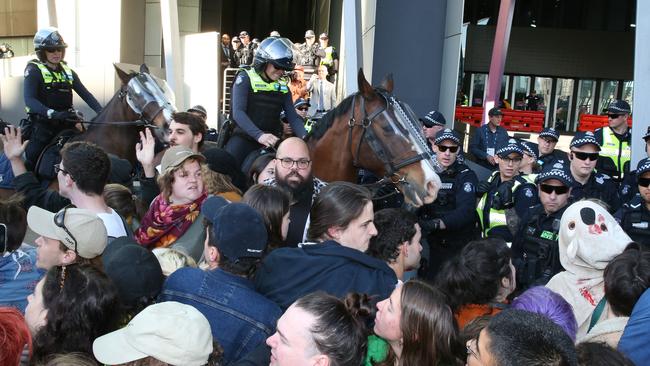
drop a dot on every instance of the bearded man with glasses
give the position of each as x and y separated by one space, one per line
634 216
450 222
535 251
588 183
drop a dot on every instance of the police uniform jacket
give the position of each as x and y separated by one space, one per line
598 186
634 218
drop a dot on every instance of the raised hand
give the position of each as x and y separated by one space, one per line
12 141
144 152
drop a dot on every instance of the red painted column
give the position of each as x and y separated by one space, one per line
499 53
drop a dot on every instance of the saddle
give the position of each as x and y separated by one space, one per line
51 155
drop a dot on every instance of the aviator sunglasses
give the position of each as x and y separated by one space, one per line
584 156
547 188
59 220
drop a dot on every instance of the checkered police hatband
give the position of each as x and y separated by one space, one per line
558 174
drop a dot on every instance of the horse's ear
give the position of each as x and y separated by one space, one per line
122 75
387 83
144 69
365 88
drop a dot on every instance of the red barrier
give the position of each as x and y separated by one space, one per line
591 122
513 120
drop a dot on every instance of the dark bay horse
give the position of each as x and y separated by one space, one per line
142 101
373 130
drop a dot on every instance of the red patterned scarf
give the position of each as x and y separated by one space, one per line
166 222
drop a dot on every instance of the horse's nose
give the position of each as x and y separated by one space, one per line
588 215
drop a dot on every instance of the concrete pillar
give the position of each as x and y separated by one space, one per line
351 48
450 60
641 106
173 52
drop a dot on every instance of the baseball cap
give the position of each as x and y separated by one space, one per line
310 33
274 34
323 36
134 269
619 107
243 34
446 134
511 147
558 171
199 109
550 132
235 39
584 138
434 118
169 331
647 134
176 155
82 225
643 166
300 102
239 229
495 112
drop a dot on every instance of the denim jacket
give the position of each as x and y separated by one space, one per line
240 318
18 277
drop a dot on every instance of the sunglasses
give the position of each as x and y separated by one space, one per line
452 149
59 220
53 50
584 156
644 182
303 109
613 116
547 188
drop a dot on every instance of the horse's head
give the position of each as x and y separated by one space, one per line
386 139
150 98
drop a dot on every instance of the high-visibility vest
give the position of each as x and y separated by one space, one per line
328 60
258 84
495 217
618 150
50 77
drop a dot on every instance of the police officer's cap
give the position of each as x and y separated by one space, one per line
275 34
529 149
48 38
584 138
558 171
300 102
199 109
433 118
310 33
619 107
495 112
323 36
551 133
511 147
447 134
647 134
276 51
643 166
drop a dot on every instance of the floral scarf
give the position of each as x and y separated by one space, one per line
166 222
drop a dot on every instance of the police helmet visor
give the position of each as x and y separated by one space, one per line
277 51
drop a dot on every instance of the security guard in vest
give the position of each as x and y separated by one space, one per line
505 195
259 94
535 250
628 187
328 57
583 155
615 141
634 216
450 222
48 87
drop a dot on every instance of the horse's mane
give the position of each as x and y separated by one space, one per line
324 124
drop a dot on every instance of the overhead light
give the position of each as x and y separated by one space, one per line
533 25
632 25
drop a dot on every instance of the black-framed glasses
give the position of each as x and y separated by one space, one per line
509 160
613 116
547 188
584 156
59 220
288 163
470 349
57 169
452 149
643 182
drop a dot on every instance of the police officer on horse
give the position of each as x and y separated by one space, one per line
48 87
259 94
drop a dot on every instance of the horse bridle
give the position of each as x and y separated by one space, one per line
377 146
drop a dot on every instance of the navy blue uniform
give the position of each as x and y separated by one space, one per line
634 218
598 186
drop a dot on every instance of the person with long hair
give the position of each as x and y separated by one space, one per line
418 326
479 280
273 203
263 168
70 307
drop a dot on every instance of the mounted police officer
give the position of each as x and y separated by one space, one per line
259 94
535 249
505 196
450 222
615 141
587 182
546 142
48 87
634 216
628 188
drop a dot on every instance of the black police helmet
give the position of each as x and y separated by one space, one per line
276 51
48 38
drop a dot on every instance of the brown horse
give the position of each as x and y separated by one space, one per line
142 101
373 130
